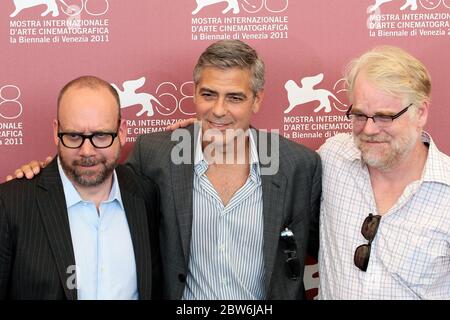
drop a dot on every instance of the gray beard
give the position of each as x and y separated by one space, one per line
399 150
81 177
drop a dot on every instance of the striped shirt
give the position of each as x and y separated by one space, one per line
410 255
226 250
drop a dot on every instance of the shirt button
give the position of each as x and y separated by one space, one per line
222 247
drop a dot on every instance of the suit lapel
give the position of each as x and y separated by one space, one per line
274 191
183 186
135 211
53 211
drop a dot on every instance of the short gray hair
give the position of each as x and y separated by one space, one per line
227 54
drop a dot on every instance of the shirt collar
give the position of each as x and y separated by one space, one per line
201 166
73 197
436 165
349 150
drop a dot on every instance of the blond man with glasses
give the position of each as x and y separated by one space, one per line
385 217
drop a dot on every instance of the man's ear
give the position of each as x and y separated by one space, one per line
258 101
122 132
55 131
422 113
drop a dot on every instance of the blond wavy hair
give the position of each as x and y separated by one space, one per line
394 71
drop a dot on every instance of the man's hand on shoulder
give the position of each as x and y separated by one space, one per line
181 124
29 170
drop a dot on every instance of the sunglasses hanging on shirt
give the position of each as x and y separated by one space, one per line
290 249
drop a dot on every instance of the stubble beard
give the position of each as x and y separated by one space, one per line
78 170
394 150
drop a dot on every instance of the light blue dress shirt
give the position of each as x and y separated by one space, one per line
104 255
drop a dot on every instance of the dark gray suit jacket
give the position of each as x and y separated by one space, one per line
35 242
291 198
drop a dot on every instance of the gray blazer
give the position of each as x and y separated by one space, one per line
36 245
291 198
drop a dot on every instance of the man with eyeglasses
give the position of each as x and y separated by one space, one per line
385 218
85 228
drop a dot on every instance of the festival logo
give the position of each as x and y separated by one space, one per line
412 4
249 6
11 109
68 7
62 22
240 19
156 109
327 104
307 93
232 5
409 18
129 97
23 4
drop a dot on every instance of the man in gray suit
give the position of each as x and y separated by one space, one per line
235 224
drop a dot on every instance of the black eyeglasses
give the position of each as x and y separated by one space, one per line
99 140
369 230
360 119
290 249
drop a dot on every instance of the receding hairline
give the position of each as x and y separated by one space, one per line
90 82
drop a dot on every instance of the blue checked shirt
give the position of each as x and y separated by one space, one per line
410 255
226 252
